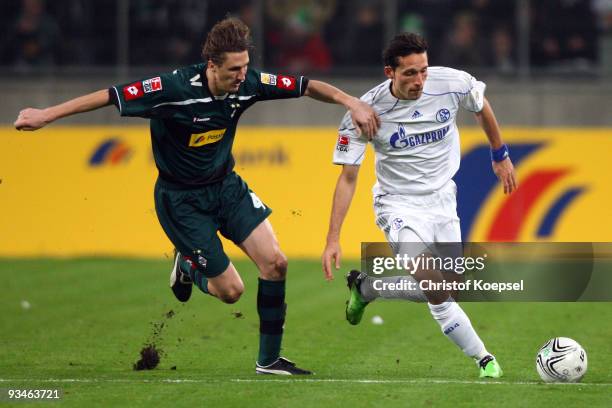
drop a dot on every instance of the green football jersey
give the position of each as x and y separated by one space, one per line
192 131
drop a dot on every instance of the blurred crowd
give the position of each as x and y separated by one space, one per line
307 35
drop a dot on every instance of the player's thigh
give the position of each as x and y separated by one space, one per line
185 218
409 236
403 215
244 221
263 248
409 242
448 231
448 227
448 236
423 253
241 211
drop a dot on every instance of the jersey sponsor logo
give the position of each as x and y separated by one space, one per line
133 91
268 79
400 140
152 85
286 82
201 139
343 143
443 115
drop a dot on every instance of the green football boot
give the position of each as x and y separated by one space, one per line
490 368
355 305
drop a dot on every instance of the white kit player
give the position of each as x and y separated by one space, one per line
417 154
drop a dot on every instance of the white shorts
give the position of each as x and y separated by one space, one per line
427 218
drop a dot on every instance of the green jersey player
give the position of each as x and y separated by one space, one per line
194 112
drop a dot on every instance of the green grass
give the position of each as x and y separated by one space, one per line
89 318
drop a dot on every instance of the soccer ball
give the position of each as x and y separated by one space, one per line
561 360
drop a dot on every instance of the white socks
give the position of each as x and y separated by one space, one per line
457 327
450 316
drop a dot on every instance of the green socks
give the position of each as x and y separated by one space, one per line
196 276
271 308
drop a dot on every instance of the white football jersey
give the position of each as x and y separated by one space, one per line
417 144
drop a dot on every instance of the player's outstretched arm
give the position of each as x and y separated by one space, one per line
504 170
364 117
345 189
33 119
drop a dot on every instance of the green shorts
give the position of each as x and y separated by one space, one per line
191 218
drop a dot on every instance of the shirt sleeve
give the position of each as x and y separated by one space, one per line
275 86
350 148
145 98
473 98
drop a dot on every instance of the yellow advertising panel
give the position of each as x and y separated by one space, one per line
71 191
563 187
68 191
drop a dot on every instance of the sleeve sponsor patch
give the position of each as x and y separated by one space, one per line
152 85
343 143
268 79
133 91
286 82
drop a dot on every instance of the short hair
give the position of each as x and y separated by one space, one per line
402 45
229 35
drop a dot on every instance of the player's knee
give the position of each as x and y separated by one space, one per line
276 269
230 297
281 265
437 297
232 294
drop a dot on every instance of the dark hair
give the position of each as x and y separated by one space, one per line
229 35
402 45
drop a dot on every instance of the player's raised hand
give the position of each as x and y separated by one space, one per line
504 170
31 119
365 118
331 253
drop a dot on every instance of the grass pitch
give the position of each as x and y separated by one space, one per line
88 319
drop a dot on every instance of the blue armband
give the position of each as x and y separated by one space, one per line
500 154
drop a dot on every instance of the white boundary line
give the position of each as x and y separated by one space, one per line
293 380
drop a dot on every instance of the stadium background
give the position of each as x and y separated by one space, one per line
85 188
